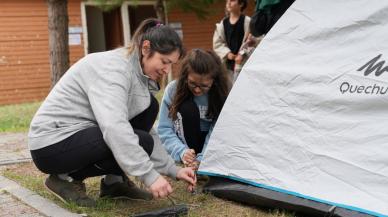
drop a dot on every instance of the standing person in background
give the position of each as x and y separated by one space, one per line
191 105
98 120
245 52
230 33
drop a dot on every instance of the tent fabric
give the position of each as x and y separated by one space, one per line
308 114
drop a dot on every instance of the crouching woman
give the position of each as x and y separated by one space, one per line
98 120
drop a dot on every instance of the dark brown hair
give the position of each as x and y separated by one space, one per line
163 39
203 63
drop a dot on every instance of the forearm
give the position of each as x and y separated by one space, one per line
163 163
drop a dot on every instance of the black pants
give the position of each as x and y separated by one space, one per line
194 137
85 154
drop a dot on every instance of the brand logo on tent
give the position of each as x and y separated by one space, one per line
373 66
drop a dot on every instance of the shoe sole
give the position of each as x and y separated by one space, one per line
55 194
59 197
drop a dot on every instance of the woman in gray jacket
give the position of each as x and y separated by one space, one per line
98 120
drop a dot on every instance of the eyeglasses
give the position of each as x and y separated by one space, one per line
202 87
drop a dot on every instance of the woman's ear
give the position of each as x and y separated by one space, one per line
145 47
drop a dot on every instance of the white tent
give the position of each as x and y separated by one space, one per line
308 116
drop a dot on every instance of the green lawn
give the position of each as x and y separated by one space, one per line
17 118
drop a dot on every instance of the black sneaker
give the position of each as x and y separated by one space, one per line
124 190
69 191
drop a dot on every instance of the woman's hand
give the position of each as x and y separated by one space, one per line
251 40
230 56
189 157
238 59
194 165
160 188
187 174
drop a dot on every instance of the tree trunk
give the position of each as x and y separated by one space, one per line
160 13
58 22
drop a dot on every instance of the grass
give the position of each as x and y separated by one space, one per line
17 118
200 204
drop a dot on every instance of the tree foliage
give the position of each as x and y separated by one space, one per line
108 5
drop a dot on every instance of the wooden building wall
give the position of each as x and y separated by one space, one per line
75 20
24 52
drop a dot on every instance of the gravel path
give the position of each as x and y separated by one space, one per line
13 148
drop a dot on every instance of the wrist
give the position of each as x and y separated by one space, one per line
178 173
149 178
182 154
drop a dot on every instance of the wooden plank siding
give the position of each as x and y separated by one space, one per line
74 10
197 33
24 51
